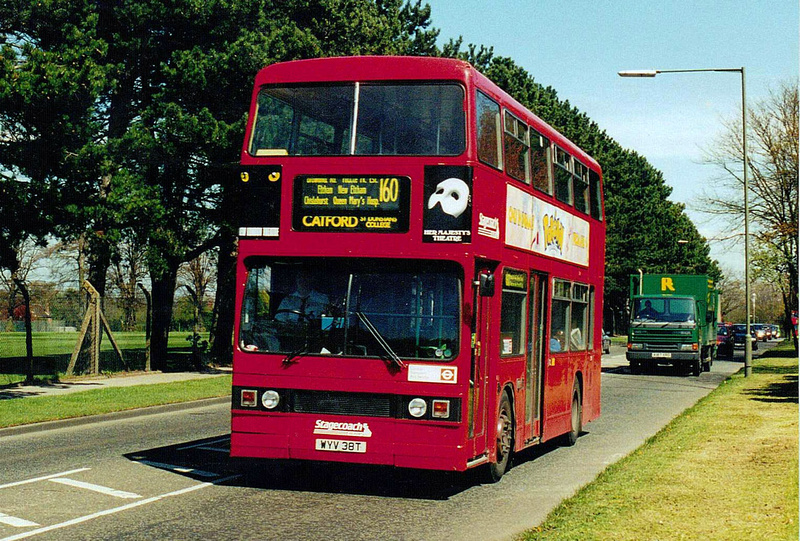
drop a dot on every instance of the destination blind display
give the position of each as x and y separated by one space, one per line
351 203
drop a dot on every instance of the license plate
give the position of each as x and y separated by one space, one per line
662 355
342 446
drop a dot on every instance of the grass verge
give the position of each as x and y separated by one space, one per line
725 469
20 411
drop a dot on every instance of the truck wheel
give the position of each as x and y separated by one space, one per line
576 416
636 368
697 367
708 359
504 440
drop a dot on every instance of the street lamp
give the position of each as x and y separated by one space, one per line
748 348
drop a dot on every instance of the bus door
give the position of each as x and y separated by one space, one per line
483 290
534 363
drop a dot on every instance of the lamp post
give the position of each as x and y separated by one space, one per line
748 348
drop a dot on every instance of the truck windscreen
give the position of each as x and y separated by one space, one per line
664 310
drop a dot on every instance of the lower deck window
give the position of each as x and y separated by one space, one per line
570 318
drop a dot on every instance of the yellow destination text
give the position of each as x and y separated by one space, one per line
338 222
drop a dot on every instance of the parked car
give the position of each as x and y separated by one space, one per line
760 333
606 342
739 333
776 331
724 340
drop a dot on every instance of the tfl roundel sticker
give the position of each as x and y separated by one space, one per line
430 373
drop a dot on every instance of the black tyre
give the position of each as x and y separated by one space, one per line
697 367
576 415
504 440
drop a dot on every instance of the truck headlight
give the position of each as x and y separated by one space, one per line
635 346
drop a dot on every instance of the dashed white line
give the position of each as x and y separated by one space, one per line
202 444
179 469
16 521
96 488
43 478
215 449
86 518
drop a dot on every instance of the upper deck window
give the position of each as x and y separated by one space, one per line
563 176
516 148
490 146
387 119
595 195
580 187
541 162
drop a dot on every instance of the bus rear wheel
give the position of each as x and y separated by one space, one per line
504 440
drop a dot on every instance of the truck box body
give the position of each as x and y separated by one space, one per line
673 321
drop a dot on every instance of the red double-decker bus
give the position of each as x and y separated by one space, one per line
420 271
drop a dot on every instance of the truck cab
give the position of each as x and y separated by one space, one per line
673 321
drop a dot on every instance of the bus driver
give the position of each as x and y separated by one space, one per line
303 304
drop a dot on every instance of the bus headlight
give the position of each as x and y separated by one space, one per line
270 399
417 407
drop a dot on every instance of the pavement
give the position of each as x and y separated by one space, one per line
86 383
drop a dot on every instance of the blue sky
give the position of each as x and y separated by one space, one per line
577 47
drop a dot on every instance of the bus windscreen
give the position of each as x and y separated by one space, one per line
300 308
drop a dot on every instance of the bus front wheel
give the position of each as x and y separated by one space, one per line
504 440
576 415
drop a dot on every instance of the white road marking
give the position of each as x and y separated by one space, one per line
200 445
16 522
215 449
178 469
43 478
132 505
96 488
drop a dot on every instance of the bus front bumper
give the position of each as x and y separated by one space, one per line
390 442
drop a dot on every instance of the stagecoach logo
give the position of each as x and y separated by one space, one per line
488 227
331 428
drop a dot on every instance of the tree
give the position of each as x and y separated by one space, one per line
127 272
773 192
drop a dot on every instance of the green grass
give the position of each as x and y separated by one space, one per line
19 411
725 469
12 344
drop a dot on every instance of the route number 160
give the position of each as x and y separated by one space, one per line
389 188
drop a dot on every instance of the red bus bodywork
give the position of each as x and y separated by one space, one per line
486 366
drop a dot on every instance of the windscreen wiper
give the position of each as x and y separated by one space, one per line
299 352
381 340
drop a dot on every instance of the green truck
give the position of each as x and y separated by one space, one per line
673 321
